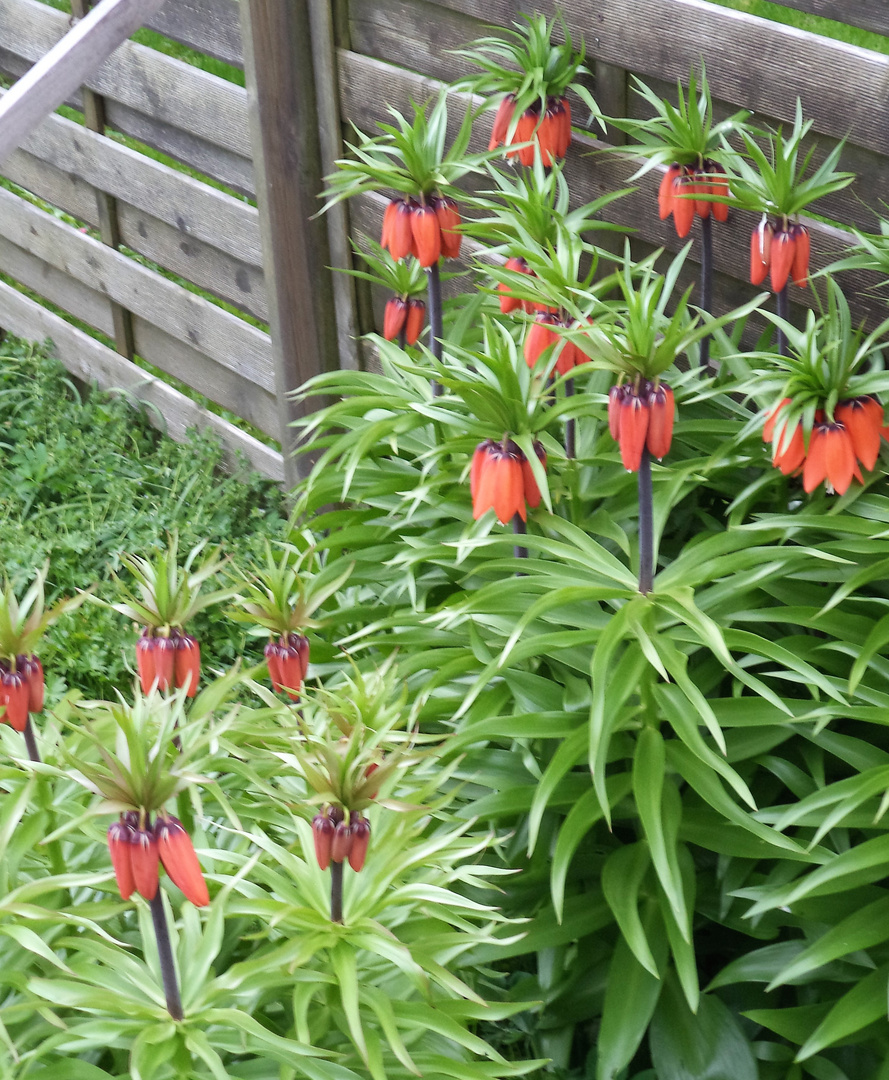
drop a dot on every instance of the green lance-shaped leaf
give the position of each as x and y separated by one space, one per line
622 877
631 995
708 1045
862 1005
863 929
657 801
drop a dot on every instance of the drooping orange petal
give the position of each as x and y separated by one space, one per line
863 421
415 320
760 252
815 468
799 270
665 191
509 489
394 317
768 431
790 455
401 240
839 457
502 121
661 408
683 208
485 486
783 250
448 215
718 186
426 235
634 415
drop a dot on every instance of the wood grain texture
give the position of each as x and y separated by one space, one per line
758 64
208 26
195 209
330 144
66 66
591 177
204 157
169 90
90 361
872 15
239 283
284 124
185 316
230 389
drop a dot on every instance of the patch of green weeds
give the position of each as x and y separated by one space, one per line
85 477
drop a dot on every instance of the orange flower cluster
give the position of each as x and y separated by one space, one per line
138 849
550 132
835 447
784 252
168 661
408 315
678 186
500 479
337 840
426 230
21 690
640 417
541 336
288 662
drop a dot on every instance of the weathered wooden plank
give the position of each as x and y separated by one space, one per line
195 209
871 15
109 229
608 173
284 121
330 140
416 34
56 286
189 318
66 66
169 90
758 64
230 279
856 205
208 26
212 380
228 388
223 165
90 361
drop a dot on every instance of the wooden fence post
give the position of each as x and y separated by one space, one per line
279 70
109 224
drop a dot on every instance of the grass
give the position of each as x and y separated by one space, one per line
84 477
815 24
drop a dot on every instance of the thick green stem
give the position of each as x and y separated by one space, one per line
165 953
706 282
336 892
782 310
646 524
435 317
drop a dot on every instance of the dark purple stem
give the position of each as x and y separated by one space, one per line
435 318
30 741
646 524
782 310
706 283
165 953
336 892
520 529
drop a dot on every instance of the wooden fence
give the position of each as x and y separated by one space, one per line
166 245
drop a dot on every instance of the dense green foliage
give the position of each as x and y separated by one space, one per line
84 477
